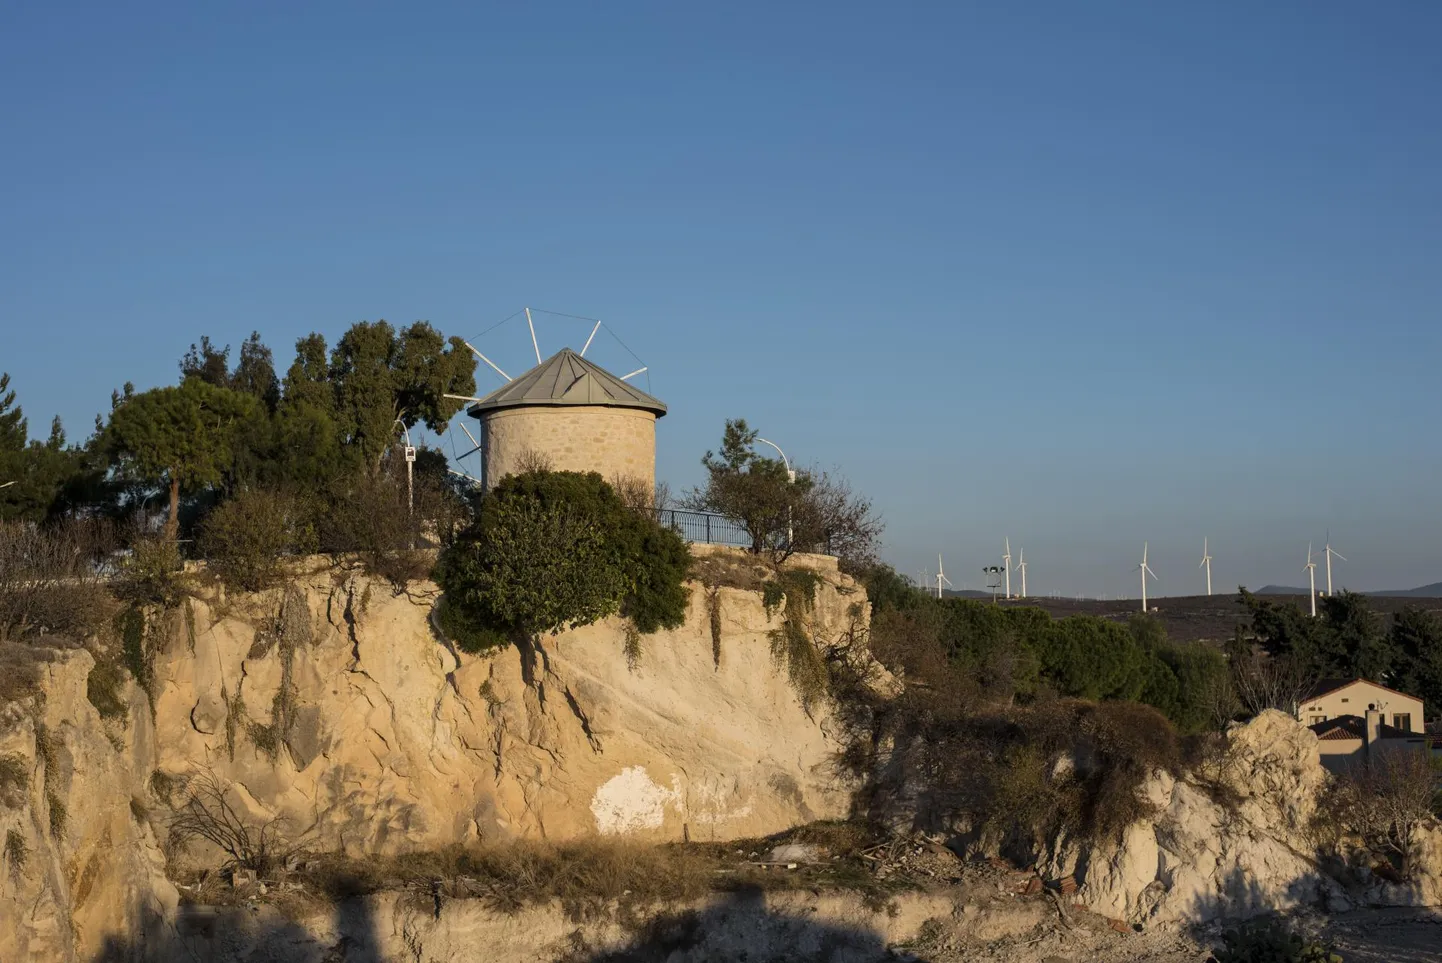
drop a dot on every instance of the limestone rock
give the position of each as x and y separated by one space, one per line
378 736
92 869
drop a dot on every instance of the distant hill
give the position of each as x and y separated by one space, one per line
1433 591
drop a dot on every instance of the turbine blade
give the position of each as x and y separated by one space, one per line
1340 555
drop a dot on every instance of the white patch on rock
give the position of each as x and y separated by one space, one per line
630 801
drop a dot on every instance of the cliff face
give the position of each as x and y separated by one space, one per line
81 863
337 706
1238 843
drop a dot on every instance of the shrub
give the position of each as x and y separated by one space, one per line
16 852
14 781
103 687
551 549
207 813
247 538
1271 941
1387 801
58 816
370 516
49 579
152 574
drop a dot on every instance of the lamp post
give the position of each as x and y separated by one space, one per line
410 462
790 480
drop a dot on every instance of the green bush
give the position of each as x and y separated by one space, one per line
152 574
1271 941
552 549
247 539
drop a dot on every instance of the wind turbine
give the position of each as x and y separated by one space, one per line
1146 570
1021 567
1006 566
1330 553
941 578
1207 564
1311 569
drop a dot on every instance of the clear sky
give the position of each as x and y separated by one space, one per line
1081 274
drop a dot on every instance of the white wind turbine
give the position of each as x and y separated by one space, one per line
1311 569
1006 566
1207 564
1021 567
941 579
1145 570
1330 552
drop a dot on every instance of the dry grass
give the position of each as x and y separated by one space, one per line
588 878
732 570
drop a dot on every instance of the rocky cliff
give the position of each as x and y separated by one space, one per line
334 711
1237 840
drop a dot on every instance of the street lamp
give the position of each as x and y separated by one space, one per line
790 479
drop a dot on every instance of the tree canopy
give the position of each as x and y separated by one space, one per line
815 511
553 549
179 437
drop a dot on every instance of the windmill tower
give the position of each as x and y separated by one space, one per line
1006 566
569 413
1021 568
941 579
1311 569
1146 570
1330 552
1207 564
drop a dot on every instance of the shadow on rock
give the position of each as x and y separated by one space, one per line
741 928
223 933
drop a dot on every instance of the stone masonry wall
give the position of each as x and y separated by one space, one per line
612 441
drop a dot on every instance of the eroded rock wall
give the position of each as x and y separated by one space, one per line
1236 843
335 705
81 865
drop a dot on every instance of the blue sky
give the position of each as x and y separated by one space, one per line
1077 274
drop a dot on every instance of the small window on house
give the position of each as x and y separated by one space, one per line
1346 700
1316 720
1403 721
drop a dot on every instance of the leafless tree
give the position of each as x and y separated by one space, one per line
50 578
206 812
1271 682
831 517
1388 800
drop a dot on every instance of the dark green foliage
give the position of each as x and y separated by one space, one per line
791 644
999 654
104 687
248 539
550 549
16 852
1417 655
381 376
58 816
14 781
468 634
180 438
40 472
131 626
1347 640
1271 941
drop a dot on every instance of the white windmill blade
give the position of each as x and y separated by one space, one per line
947 581
1337 554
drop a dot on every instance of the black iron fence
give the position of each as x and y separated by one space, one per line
704 527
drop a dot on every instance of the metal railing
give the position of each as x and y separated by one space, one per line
705 528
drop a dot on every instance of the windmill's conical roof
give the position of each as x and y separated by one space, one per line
566 378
